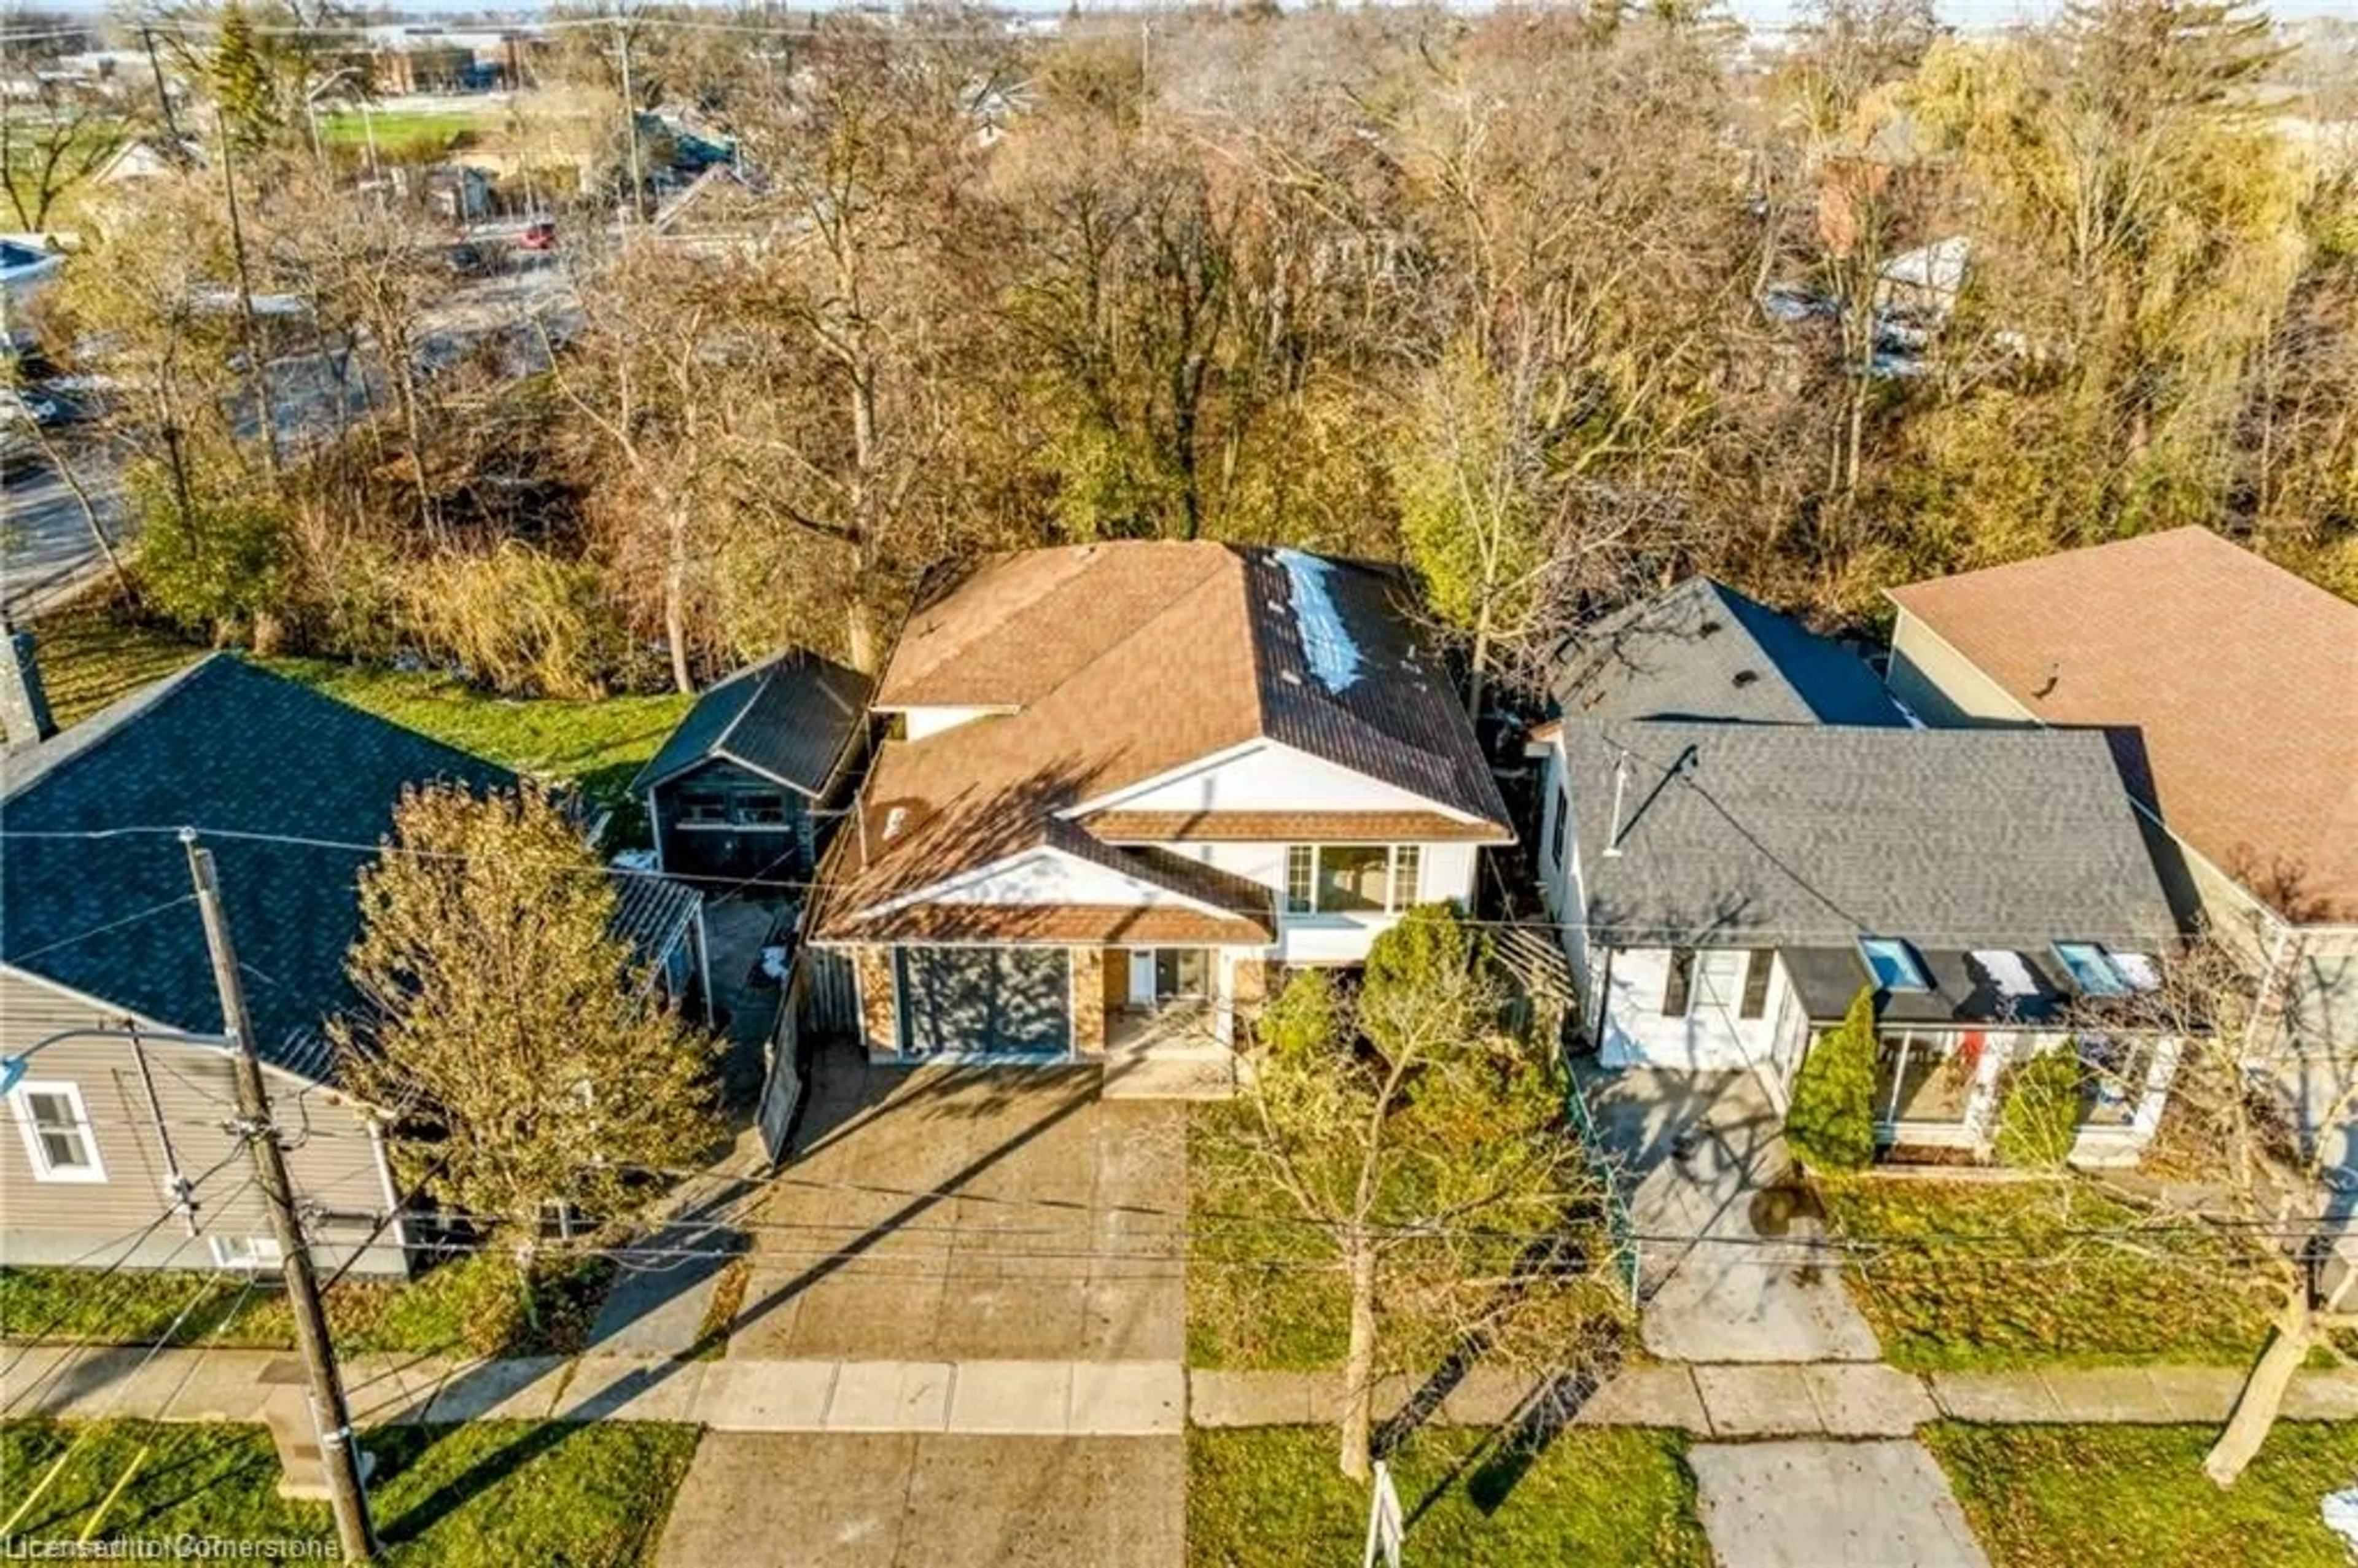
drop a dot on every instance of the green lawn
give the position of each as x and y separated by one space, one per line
1262 1293
1968 1276
406 130
471 1306
1265 1292
1272 1497
2085 1497
490 1493
90 656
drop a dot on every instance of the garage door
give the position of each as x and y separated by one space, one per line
999 1001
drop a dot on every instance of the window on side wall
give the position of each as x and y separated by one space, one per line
1556 831
56 1130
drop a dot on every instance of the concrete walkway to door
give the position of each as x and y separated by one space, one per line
1726 1273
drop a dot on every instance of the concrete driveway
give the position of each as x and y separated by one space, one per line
1727 1274
970 1214
909 1501
1830 1505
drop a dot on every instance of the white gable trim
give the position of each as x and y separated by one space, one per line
1373 793
1169 776
1055 863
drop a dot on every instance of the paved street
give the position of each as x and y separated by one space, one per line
46 551
47 554
910 1501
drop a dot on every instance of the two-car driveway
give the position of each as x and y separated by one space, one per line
960 1216
998 1214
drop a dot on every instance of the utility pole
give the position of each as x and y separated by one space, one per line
255 368
163 97
339 1444
629 118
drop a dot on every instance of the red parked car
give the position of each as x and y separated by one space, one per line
540 235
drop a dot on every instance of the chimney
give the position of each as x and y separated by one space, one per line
24 705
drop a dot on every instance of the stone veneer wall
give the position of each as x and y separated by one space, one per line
1089 1001
878 1014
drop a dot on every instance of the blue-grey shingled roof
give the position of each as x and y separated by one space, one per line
228 747
1814 835
789 717
231 749
1702 651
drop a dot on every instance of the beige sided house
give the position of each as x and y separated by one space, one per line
2229 689
122 1148
1126 783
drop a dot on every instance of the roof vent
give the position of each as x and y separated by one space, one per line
1290 677
1745 677
895 821
1708 628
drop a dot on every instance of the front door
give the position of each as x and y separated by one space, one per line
1141 979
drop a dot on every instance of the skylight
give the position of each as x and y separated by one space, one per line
1893 963
1326 643
2094 972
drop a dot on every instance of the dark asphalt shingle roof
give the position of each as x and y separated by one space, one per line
789 717
231 748
1700 650
1793 835
1402 722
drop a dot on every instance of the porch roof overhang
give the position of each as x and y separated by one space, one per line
1053 925
1962 991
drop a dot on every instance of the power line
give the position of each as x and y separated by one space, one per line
1761 935
149 913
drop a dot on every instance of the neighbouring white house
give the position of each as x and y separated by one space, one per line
1125 783
1739 835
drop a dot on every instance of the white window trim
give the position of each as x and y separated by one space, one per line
252 1253
42 1170
1392 906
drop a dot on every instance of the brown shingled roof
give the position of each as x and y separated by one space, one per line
2229 685
1116 663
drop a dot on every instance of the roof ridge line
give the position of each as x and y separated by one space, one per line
72 743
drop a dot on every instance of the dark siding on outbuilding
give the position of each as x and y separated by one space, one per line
740 847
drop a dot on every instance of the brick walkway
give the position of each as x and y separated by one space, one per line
1121 1398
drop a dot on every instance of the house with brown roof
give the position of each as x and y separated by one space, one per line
2229 690
1125 783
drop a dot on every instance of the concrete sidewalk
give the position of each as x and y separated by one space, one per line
1040 1399
1082 1399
